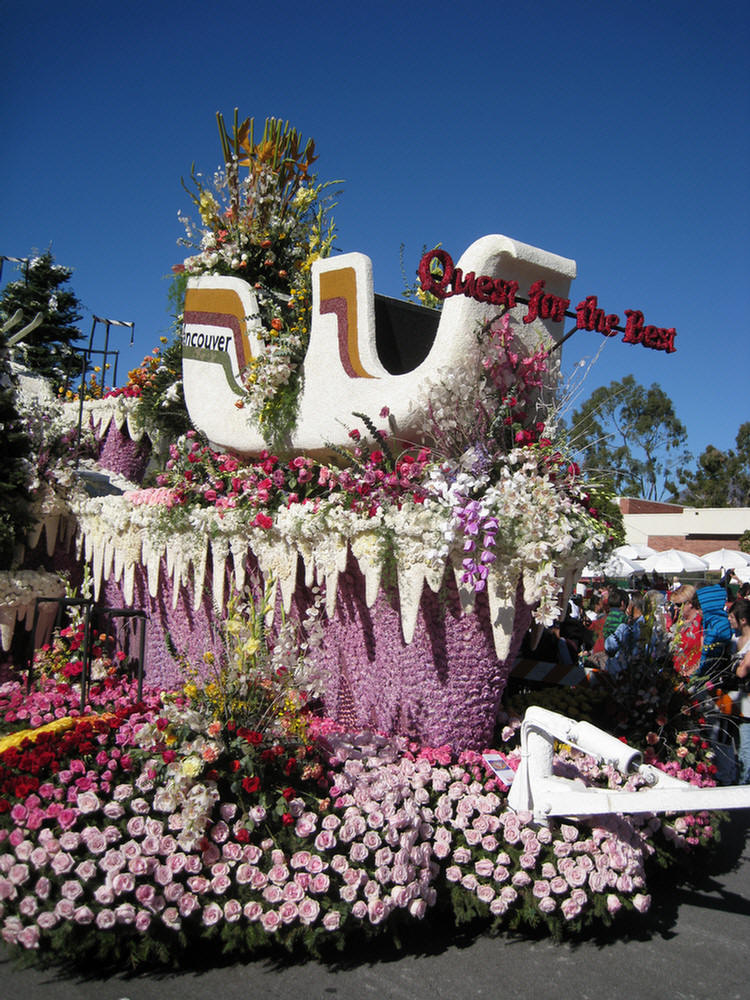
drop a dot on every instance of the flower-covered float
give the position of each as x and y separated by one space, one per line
412 493
308 762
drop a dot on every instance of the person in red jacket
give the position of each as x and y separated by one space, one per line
687 631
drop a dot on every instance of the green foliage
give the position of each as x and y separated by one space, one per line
722 478
630 438
161 407
48 349
15 510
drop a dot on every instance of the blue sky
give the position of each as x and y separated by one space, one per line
614 133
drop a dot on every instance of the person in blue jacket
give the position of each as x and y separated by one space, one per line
716 659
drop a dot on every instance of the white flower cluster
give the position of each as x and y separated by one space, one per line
273 368
19 588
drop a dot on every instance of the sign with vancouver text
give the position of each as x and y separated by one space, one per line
440 277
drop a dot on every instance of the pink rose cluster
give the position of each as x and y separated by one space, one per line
99 844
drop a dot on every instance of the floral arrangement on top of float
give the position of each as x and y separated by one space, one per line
228 815
266 225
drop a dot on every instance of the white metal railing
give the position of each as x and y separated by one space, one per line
536 789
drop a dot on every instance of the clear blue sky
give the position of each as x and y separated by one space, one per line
614 133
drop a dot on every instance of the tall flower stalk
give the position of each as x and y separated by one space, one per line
265 218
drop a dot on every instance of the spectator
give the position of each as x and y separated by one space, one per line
617 614
740 612
622 644
687 630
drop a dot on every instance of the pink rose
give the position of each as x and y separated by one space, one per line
187 904
271 921
258 879
304 827
252 911
273 894
162 875
485 893
88 802
64 909
377 910
47 920
244 873
173 891
86 870
83 915
252 853
325 840
348 893
138 865
316 864
570 909
105 919
641 902
288 912
104 894
613 903
220 884
125 913
28 906
232 910
309 909
29 937
293 892
279 874
123 882
232 851
212 914
319 883
43 887
198 883
358 852
94 839
113 861
151 844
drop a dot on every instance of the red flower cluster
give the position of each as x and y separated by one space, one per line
195 474
25 767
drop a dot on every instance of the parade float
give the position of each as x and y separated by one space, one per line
334 567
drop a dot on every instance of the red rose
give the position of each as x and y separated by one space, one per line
251 785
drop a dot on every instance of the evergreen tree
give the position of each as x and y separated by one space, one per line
15 510
47 349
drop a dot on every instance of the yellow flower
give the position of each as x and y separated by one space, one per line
16 739
251 647
191 767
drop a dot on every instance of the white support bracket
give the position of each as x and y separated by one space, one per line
537 790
